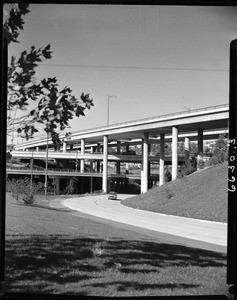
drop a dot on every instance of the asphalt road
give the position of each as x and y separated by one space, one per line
197 233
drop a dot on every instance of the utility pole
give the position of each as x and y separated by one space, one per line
31 169
46 167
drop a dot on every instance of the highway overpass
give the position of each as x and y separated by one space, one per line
198 124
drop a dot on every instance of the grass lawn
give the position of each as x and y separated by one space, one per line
201 195
53 251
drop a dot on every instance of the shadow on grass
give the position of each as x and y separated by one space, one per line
49 263
124 285
40 206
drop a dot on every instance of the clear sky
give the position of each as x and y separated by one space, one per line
155 59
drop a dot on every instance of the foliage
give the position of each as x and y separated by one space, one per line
168 176
24 190
220 151
54 107
200 161
71 187
155 148
12 20
187 169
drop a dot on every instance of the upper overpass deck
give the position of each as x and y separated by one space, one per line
208 118
73 155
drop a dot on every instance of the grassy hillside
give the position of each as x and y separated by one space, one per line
201 195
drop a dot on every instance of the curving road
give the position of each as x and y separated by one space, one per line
192 229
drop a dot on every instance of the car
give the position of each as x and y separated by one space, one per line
112 196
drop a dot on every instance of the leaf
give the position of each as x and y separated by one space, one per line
80 111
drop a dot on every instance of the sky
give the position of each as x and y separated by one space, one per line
155 59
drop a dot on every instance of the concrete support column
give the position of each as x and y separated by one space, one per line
200 141
149 164
144 171
82 163
118 152
37 148
174 152
71 181
186 150
98 162
94 166
98 166
105 165
127 167
127 164
64 146
200 149
91 165
57 186
162 160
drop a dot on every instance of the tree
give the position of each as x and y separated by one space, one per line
54 107
220 150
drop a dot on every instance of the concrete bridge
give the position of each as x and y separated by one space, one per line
93 144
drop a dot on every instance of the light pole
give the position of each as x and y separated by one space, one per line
109 97
91 167
31 169
46 167
76 158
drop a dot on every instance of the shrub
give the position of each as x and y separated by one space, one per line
168 176
187 169
23 190
15 187
28 199
220 151
71 187
200 162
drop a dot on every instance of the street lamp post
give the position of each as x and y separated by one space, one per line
46 167
31 170
109 97
91 174
76 159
